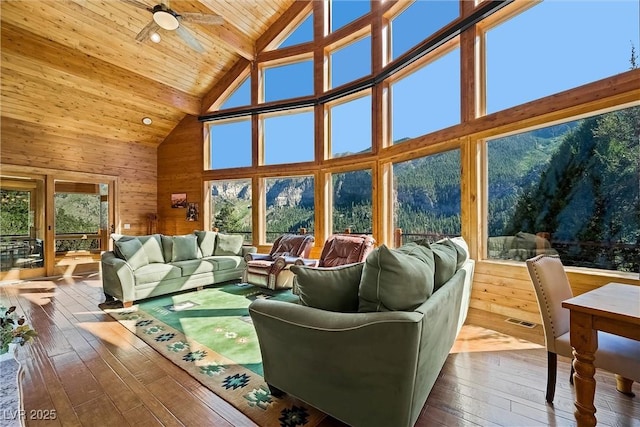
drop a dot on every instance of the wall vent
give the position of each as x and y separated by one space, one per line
520 323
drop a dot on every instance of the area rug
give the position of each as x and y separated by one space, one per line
209 334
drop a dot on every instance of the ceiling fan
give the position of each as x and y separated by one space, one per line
165 18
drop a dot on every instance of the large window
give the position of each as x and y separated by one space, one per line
290 205
347 120
351 126
418 21
558 45
241 96
279 84
231 206
230 144
350 62
352 201
427 99
346 11
570 189
288 138
301 34
426 196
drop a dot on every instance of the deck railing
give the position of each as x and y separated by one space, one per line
79 242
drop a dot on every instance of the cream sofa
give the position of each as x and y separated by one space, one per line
145 266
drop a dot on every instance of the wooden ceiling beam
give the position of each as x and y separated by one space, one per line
57 56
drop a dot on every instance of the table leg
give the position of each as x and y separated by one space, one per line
624 385
584 340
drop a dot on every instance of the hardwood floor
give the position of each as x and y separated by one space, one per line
94 372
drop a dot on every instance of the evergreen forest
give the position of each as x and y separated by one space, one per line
576 182
75 213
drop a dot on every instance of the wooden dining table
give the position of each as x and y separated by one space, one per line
612 308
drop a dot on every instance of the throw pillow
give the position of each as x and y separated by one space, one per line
151 244
331 289
167 247
396 279
206 242
229 244
184 247
446 259
132 252
461 248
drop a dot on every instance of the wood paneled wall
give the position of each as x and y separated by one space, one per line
505 288
51 149
180 166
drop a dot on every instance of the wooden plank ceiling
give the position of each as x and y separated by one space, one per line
73 67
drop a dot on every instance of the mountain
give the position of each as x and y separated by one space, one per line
576 181
589 193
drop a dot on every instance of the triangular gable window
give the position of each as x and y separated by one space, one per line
239 97
301 34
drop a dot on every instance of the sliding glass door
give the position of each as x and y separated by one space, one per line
22 230
53 224
82 224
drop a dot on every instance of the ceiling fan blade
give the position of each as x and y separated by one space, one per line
189 39
136 3
202 18
144 34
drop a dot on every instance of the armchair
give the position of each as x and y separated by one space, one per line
341 249
272 270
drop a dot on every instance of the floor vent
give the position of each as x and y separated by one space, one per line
520 322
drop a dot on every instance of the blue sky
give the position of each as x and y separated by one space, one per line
553 46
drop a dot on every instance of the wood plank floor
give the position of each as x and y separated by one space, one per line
94 372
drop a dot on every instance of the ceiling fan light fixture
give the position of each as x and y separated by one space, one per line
165 19
155 37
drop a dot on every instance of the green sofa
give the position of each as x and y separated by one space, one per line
140 267
367 341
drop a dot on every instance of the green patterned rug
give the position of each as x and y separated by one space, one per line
210 335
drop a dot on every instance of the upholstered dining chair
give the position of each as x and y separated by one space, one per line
615 353
272 270
341 249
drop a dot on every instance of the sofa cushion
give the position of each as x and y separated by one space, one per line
184 247
396 279
225 262
331 289
156 272
229 244
206 242
131 251
193 266
446 259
